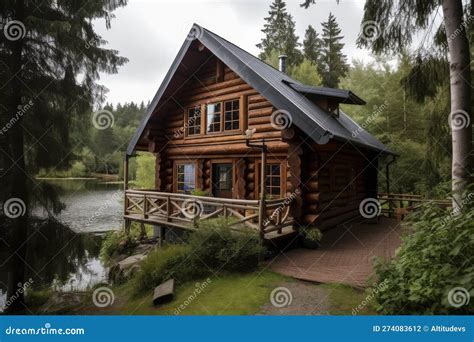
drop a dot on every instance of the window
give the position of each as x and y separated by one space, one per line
231 115
273 180
185 178
193 126
214 115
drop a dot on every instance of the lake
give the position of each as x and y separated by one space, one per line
65 255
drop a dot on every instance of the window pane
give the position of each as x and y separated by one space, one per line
214 117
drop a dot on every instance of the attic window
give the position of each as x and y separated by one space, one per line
333 108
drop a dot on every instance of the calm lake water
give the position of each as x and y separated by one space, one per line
65 255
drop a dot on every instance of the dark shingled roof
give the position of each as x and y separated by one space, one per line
281 90
338 95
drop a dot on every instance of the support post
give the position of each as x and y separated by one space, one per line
261 208
125 187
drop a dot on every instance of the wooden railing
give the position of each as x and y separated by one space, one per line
184 211
399 205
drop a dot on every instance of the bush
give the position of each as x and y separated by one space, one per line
216 246
211 249
115 243
312 234
432 262
164 263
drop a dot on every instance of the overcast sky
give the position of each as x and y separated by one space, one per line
150 32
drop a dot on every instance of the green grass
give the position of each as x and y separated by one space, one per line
343 299
236 294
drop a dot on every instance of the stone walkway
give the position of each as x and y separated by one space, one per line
345 256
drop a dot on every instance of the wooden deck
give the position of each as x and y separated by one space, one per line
271 220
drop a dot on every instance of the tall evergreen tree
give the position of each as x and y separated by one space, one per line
333 63
51 58
312 45
280 35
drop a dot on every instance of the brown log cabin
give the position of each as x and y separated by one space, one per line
224 122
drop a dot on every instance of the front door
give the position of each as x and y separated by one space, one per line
222 178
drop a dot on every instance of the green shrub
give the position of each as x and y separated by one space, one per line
434 259
312 234
199 192
216 246
211 249
116 243
164 263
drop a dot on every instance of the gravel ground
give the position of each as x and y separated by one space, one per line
297 298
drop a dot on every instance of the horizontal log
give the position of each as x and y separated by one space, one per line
273 146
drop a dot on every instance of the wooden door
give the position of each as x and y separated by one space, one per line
222 179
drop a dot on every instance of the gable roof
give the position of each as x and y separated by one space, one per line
280 89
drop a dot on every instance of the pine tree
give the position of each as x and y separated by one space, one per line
312 45
52 57
333 63
280 35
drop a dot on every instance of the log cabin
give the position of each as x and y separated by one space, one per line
224 125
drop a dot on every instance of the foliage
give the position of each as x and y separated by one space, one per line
217 247
199 192
164 263
115 243
307 73
145 173
312 45
433 260
212 248
332 63
279 30
312 234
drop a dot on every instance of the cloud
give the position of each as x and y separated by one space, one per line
150 34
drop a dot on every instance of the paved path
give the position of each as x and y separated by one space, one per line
346 255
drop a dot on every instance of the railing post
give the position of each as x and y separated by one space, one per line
168 208
145 206
195 216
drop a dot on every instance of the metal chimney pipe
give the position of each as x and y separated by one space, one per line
282 63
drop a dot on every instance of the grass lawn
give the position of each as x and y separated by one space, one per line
236 294
343 299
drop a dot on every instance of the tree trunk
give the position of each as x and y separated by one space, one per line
460 78
17 182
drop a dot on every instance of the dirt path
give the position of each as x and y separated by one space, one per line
300 297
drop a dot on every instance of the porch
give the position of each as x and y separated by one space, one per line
270 219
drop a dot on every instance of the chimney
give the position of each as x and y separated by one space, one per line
282 63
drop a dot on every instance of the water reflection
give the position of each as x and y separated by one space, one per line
63 253
58 258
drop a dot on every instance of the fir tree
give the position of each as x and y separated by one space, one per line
312 45
280 35
52 58
333 63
